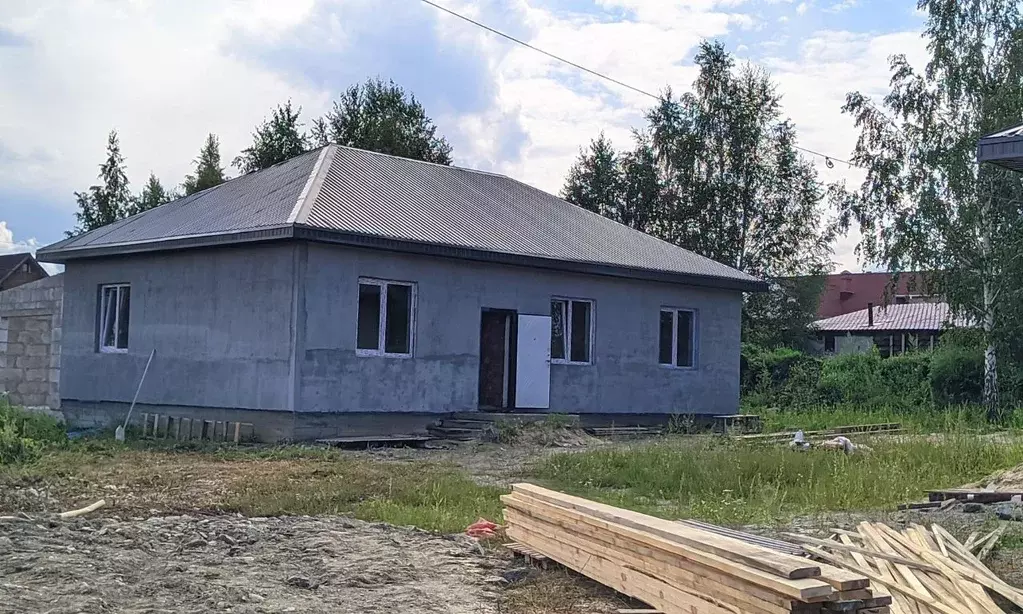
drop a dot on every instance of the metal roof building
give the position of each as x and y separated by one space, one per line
1003 148
356 197
350 293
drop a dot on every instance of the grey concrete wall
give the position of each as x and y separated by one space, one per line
220 322
443 376
30 340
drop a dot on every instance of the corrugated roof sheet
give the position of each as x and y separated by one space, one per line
252 201
374 194
911 316
357 193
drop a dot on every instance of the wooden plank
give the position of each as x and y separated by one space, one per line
969 593
156 425
187 428
762 601
910 592
990 545
801 589
909 577
978 496
145 424
237 431
783 565
662 596
857 550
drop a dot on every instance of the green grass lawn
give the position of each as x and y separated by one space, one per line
739 483
962 418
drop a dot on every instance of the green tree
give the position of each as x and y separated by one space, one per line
208 171
153 195
739 191
622 186
595 181
108 202
277 139
925 204
717 172
382 117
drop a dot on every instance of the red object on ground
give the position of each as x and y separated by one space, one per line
481 528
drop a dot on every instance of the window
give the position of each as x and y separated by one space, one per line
114 310
829 343
571 330
677 338
386 318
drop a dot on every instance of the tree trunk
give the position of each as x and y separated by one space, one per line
990 357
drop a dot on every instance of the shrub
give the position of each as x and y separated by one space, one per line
24 435
956 375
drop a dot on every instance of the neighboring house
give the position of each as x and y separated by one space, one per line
893 330
30 327
345 291
18 269
848 292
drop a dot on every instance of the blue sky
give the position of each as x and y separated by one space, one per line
165 74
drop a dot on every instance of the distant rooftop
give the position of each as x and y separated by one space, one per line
908 317
1004 148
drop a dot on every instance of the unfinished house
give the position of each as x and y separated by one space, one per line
345 291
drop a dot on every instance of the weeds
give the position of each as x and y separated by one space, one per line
954 419
738 483
25 435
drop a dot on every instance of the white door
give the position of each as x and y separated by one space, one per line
533 363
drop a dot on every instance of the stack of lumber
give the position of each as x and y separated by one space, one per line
680 568
926 571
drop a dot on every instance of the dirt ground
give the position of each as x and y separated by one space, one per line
186 564
160 547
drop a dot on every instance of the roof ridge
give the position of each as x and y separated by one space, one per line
312 186
426 162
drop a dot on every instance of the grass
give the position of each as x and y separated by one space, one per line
263 481
741 483
953 419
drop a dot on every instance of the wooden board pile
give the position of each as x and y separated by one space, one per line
926 571
678 568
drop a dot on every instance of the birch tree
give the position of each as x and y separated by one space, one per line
924 203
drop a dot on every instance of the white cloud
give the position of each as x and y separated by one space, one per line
9 246
802 8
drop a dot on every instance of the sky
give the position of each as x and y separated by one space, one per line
164 73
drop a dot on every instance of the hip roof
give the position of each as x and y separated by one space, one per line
352 196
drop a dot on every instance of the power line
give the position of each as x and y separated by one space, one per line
829 160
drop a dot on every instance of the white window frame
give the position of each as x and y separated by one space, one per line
382 322
567 360
694 332
103 306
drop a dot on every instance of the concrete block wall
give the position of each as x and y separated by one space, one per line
30 335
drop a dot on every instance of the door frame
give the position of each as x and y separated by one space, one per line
510 354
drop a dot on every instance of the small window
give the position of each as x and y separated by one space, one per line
571 330
829 343
386 318
114 311
677 338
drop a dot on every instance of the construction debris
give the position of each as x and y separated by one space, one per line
886 428
679 568
926 571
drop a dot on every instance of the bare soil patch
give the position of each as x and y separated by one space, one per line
187 564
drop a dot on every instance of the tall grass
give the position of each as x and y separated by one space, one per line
25 435
952 419
740 483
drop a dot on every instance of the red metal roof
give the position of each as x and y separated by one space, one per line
912 316
850 292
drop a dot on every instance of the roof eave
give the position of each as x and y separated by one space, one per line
295 231
55 254
591 268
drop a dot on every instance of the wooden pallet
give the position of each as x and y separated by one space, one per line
162 426
531 556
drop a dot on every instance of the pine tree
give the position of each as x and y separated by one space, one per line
208 171
595 181
277 139
153 195
108 202
382 117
